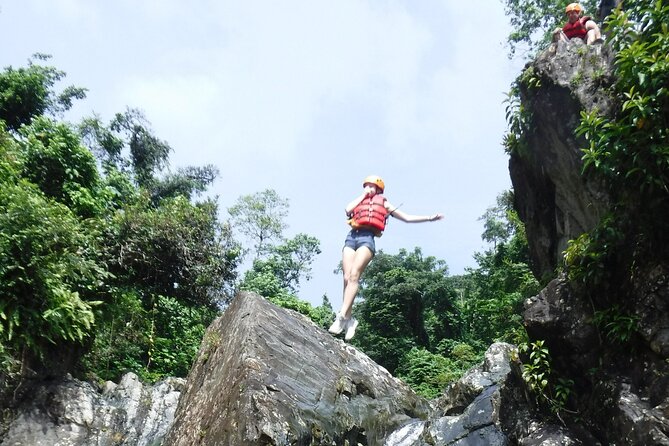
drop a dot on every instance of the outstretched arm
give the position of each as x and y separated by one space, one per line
408 218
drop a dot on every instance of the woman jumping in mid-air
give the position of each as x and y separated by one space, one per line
367 216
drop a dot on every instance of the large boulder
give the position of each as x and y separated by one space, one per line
266 375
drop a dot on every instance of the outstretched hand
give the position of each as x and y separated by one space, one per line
436 217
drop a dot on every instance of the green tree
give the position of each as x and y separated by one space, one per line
28 92
65 170
148 154
260 218
407 302
49 275
178 249
491 295
285 265
129 146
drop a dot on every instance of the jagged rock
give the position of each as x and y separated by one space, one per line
477 425
473 405
650 292
550 435
636 422
495 368
488 406
266 375
559 316
468 412
631 394
553 199
73 413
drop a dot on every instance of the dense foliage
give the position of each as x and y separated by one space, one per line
50 272
27 92
105 253
48 265
629 151
401 295
427 327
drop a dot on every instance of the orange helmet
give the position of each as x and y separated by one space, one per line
376 181
573 7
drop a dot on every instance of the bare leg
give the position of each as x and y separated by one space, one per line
593 33
353 264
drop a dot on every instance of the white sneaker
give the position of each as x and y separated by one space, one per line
338 324
351 325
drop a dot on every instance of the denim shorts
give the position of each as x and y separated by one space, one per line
360 237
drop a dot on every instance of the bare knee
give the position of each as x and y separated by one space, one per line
352 276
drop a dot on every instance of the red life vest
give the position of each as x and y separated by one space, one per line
576 29
370 213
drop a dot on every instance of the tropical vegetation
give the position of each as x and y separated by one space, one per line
112 260
627 152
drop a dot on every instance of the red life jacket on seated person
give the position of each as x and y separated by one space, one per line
370 213
576 29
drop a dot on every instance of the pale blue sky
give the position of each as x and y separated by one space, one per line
303 96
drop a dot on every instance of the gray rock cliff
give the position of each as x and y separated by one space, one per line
619 365
554 200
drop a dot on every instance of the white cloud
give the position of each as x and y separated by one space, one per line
280 64
303 94
59 11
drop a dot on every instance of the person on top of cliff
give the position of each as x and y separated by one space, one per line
579 26
367 215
